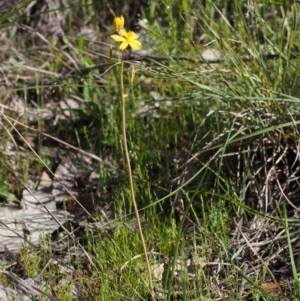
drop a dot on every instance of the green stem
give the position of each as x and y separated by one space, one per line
131 180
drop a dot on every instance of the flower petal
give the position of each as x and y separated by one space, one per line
123 45
119 23
123 32
117 38
135 44
132 35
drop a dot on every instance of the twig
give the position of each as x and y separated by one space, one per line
27 288
259 257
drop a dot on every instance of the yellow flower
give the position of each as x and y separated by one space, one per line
119 23
127 38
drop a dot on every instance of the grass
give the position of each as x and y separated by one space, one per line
204 140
